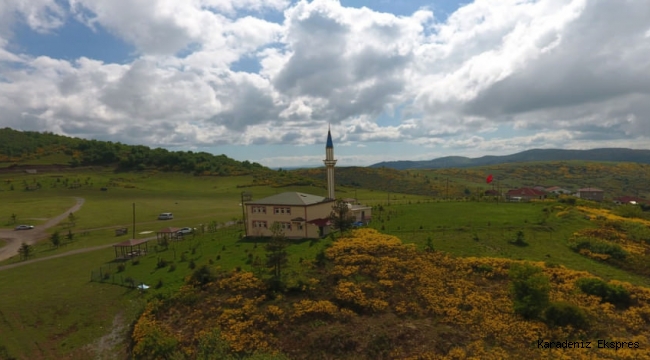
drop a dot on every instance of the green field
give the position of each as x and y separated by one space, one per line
51 309
486 229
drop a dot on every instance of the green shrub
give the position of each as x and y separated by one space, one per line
637 232
520 240
628 211
599 247
202 276
564 314
529 288
551 264
568 200
613 294
483 268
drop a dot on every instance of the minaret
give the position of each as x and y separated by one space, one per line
330 162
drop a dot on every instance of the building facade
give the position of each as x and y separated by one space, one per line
299 215
593 194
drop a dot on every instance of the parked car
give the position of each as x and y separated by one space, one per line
358 223
24 227
165 216
185 231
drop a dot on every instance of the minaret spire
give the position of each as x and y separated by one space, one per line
329 163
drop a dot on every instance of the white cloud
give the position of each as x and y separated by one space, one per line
39 15
575 72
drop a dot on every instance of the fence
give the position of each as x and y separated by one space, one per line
109 274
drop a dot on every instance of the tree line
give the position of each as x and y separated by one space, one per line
16 146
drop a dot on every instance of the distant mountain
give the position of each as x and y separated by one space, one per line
611 154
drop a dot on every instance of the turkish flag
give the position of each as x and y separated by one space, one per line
489 179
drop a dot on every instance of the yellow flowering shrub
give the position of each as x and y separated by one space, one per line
378 298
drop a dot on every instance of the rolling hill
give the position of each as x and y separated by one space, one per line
604 154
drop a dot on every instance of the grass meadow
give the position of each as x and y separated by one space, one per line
51 309
483 229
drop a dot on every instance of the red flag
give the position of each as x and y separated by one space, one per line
489 179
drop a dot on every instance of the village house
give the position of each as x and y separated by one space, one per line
524 194
558 190
625 200
491 192
361 213
590 193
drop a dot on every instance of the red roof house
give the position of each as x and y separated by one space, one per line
623 200
524 194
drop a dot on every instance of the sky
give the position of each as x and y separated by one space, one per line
263 80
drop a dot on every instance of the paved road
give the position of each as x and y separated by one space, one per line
15 238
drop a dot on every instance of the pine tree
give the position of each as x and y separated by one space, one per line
341 215
276 255
24 251
55 238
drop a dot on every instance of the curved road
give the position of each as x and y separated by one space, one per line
15 238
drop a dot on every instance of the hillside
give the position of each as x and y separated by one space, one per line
49 152
613 154
616 179
21 149
369 296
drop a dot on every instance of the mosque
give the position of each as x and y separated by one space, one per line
300 215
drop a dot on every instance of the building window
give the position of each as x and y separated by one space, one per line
259 224
285 226
259 209
282 210
298 225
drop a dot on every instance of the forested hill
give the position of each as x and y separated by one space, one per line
613 154
30 147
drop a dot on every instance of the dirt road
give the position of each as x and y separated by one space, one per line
15 238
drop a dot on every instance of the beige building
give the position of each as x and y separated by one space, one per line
300 215
594 194
361 213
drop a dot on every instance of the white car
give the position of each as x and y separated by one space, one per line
185 231
24 227
165 216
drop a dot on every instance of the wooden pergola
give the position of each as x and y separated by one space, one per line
168 233
130 248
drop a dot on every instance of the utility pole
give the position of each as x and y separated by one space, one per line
498 191
447 189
